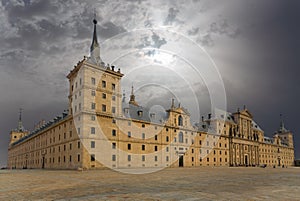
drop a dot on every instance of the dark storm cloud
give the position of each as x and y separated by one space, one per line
171 16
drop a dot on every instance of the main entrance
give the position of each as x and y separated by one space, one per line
181 161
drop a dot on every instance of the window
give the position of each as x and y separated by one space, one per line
155 158
78 157
113 86
113 145
180 123
143 147
93 157
129 157
167 138
200 142
93 106
155 137
192 151
104 95
70 146
129 134
70 134
167 149
93 80
207 159
103 108
113 109
92 144
113 157
143 158
129 146
103 84
192 159
93 117
70 158
143 136
167 158
180 137
155 148
78 144
113 132
64 147
93 93
93 130
113 98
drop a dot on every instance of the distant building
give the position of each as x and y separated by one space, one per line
101 129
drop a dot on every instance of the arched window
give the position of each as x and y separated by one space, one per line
180 121
180 137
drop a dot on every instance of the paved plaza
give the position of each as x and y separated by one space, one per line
202 183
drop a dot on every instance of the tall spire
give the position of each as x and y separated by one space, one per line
95 48
282 129
20 125
132 98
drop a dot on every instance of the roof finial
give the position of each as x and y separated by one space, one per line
95 48
172 105
124 97
281 128
20 125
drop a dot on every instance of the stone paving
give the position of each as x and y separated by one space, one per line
203 183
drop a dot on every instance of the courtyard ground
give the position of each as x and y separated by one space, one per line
201 183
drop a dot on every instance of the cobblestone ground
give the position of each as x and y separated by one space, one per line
168 184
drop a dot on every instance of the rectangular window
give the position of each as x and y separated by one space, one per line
113 157
143 158
113 110
93 80
129 134
93 117
70 158
93 157
155 158
207 159
103 108
93 130
104 95
103 84
92 144
155 137
113 86
143 147
192 159
155 148
143 136
167 138
129 157
113 132
70 146
93 93
129 146
113 145
167 149
113 98
70 134
78 144
78 157
64 147
167 158
93 106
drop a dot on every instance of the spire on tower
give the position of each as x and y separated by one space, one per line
132 98
282 129
95 48
20 125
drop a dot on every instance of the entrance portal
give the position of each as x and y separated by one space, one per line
246 160
181 161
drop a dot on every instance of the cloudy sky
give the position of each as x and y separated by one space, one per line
175 48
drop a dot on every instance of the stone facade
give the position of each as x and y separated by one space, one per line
101 129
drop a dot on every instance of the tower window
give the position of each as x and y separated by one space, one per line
93 93
180 137
113 109
103 84
103 108
180 122
93 80
104 95
93 106
92 144
143 147
93 157
129 146
93 130
113 132
113 87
